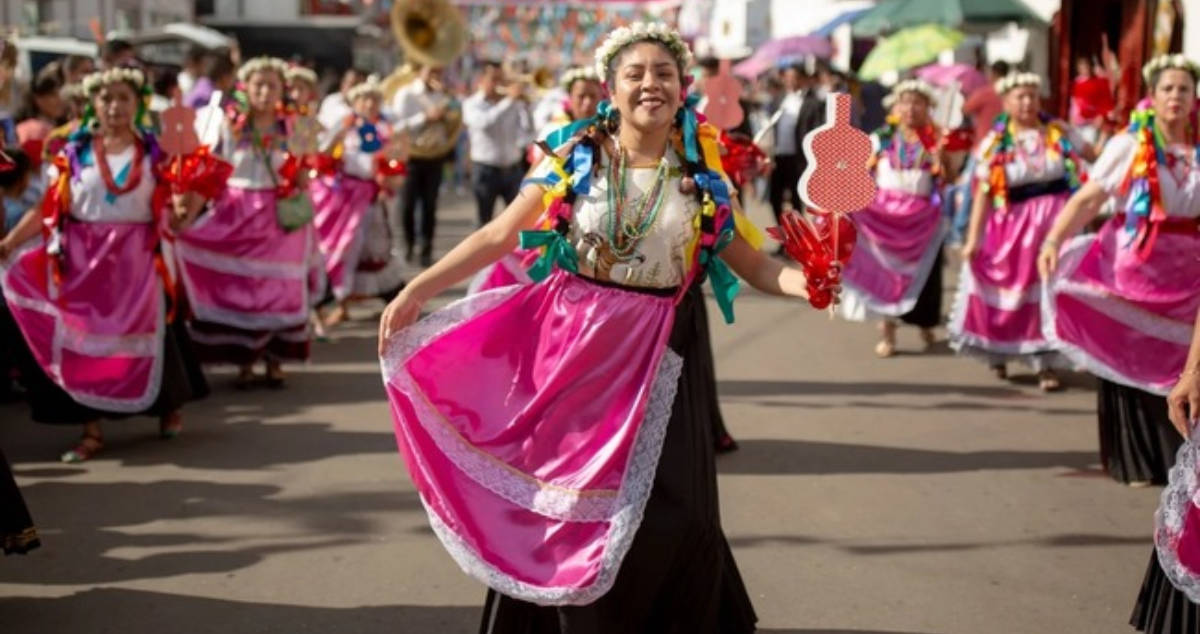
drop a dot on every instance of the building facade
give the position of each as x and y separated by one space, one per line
84 19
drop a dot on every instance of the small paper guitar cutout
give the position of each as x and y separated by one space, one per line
837 178
722 90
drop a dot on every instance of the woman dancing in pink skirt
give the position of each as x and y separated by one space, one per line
571 470
88 312
1028 167
1121 302
250 265
895 272
349 214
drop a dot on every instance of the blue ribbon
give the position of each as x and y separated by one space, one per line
690 125
724 283
556 251
580 167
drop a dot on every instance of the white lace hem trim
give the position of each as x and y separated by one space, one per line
1180 494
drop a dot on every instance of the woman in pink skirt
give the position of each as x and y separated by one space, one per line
349 214
250 265
1028 167
570 469
1121 302
88 311
895 272
1169 600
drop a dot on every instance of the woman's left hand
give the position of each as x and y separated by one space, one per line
1183 402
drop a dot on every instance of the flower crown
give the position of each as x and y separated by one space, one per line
1018 80
1165 62
369 87
641 32
581 73
264 63
921 87
95 81
301 73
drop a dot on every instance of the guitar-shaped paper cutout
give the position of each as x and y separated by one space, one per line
179 135
722 90
303 132
836 182
837 179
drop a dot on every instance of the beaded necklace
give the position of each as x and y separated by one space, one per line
627 230
903 155
132 173
1003 150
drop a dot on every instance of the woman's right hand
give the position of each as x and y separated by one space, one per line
969 248
1047 262
400 313
1183 402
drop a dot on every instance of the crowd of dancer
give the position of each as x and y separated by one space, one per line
236 217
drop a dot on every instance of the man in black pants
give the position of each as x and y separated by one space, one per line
500 126
419 104
802 111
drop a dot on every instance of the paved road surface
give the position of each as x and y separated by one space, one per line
917 495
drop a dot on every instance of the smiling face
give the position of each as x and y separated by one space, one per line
302 92
116 105
264 89
1174 95
1023 104
646 86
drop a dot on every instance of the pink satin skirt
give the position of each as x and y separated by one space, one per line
1123 318
341 205
535 465
99 336
997 313
899 238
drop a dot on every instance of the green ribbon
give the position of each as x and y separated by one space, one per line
555 251
724 283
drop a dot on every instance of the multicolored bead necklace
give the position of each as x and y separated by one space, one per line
627 230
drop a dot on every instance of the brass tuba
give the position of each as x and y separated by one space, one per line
431 33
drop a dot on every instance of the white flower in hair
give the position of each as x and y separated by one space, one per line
95 81
585 73
264 63
1165 62
1018 80
301 73
641 32
918 86
369 87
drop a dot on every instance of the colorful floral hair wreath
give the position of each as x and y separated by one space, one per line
370 87
641 32
919 86
95 81
263 63
301 73
1017 80
580 73
91 85
1165 62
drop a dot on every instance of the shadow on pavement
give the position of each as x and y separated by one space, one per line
861 388
126 611
106 532
763 456
828 631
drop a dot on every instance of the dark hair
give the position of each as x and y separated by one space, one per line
710 64
1157 75
616 59
71 63
354 70
195 54
164 81
490 64
47 82
1000 68
21 166
113 48
217 66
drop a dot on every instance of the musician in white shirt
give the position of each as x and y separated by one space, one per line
418 103
500 126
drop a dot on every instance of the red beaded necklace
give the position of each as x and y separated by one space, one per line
135 173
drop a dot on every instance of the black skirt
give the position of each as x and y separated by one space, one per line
182 379
679 576
704 359
17 534
1137 441
927 313
1161 608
